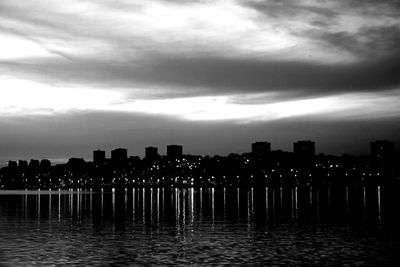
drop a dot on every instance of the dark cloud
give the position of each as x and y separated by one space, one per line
289 9
248 75
328 10
368 42
216 75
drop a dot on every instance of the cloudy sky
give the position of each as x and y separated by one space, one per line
213 75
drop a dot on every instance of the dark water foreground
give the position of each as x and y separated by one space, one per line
349 226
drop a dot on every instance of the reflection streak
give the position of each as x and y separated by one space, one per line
379 205
38 209
347 201
187 208
364 204
133 204
158 205
191 205
296 202
212 205
50 206
238 202
144 205
59 207
266 202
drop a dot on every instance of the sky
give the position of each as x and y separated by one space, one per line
214 76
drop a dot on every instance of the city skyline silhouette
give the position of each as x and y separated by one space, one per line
260 167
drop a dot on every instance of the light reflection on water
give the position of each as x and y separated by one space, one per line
266 226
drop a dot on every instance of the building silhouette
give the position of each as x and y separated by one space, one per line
45 164
174 151
151 153
119 156
304 153
304 149
260 150
99 156
76 164
382 156
34 164
382 150
22 163
12 164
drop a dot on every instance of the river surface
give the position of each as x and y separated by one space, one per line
348 226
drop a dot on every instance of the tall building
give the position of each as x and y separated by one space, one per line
304 149
12 164
119 156
45 164
174 151
34 164
260 150
99 156
22 163
382 150
151 153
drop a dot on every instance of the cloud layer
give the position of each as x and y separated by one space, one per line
203 48
250 61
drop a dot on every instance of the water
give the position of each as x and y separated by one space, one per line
263 226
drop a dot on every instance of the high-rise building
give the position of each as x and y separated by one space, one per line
45 164
99 156
151 153
34 164
119 156
174 151
304 149
304 152
12 164
260 150
382 150
22 163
